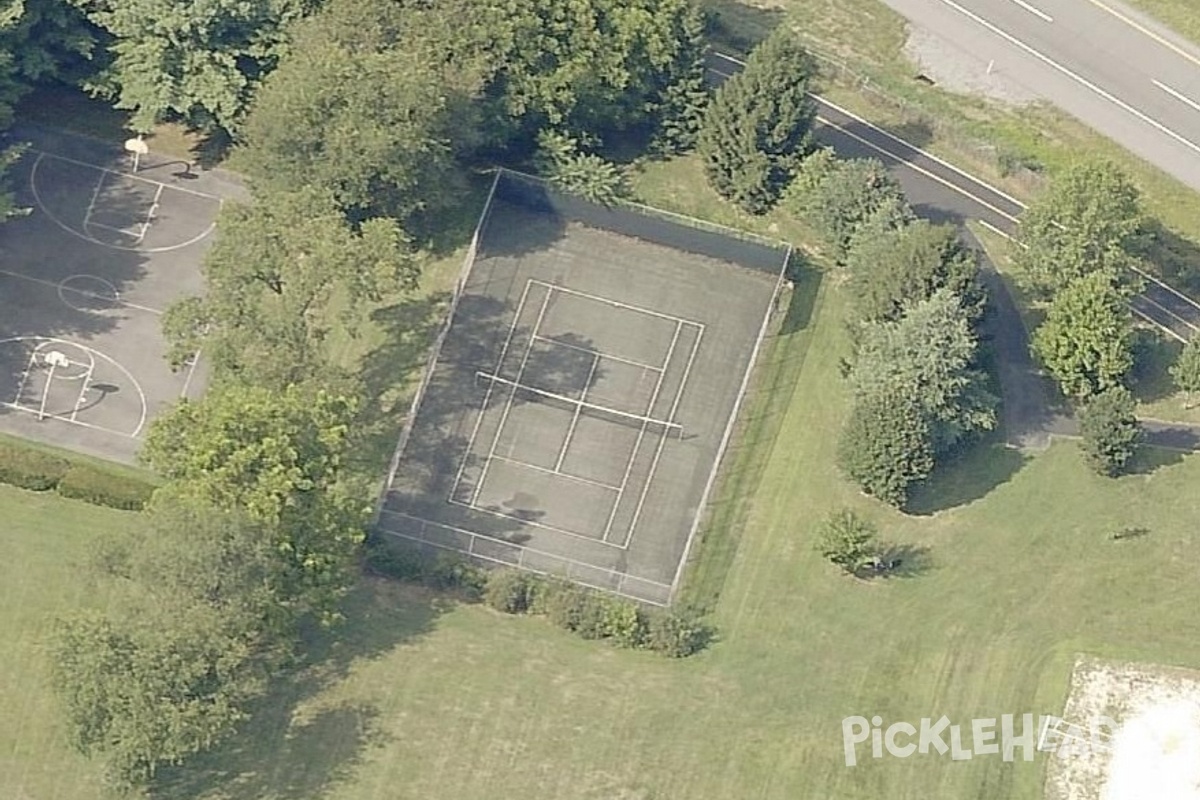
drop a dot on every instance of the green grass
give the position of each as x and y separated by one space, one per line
44 538
419 697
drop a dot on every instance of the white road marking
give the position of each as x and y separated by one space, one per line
1137 26
994 229
1177 95
1074 76
1034 11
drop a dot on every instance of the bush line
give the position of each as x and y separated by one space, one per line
36 470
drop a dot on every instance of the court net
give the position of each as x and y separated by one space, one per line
522 393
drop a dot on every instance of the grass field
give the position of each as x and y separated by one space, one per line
422 698
1179 15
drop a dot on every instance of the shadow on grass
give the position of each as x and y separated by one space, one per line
967 478
1153 355
898 561
1176 256
770 395
287 751
735 25
1148 458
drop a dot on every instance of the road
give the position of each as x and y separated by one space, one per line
1033 411
1117 71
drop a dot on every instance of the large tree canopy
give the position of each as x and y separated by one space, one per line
198 60
1086 221
757 128
1086 341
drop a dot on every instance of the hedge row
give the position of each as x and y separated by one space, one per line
39 471
590 614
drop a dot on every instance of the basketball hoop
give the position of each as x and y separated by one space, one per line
138 147
56 359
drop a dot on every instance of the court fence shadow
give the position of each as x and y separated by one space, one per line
285 755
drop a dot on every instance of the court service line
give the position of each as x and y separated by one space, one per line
128 175
512 328
1104 93
81 292
87 214
534 523
1177 95
25 377
587 384
608 356
637 445
512 393
637 512
1035 11
547 471
616 303
83 388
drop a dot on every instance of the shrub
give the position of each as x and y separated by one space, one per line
678 633
450 572
626 623
401 563
846 540
1110 430
30 469
509 590
566 605
103 488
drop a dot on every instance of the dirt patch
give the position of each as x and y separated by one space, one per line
953 68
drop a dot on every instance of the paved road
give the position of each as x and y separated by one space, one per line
1116 70
1033 411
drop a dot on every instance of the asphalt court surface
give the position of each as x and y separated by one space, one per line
84 279
575 412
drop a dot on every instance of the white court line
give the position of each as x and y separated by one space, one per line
608 356
87 214
535 524
555 472
81 292
616 303
637 445
562 453
83 388
663 440
127 175
1073 76
512 393
61 418
1036 12
1177 95
512 328
132 233
25 377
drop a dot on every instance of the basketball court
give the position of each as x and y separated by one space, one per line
84 280
586 386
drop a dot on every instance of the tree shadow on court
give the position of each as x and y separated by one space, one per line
967 477
296 745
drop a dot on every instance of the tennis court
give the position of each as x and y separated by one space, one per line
572 421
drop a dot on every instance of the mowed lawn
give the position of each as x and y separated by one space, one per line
420 697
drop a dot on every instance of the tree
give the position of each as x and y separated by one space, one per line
886 446
1087 221
271 277
1086 341
846 540
1186 369
1110 430
894 268
928 357
366 121
839 198
199 62
758 126
278 456
51 40
584 174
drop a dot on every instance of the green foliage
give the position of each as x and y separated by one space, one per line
838 198
200 62
1186 369
1086 341
509 591
677 633
271 275
845 539
895 268
758 125
49 40
104 488
1087 221
559 159
359 117
1110 430
886 446
928 357
279 456
30 469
